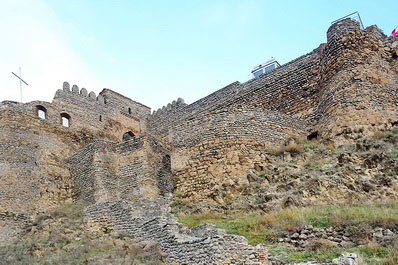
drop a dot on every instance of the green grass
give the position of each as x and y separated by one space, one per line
260 227
394 154
385 215
370 254
249 226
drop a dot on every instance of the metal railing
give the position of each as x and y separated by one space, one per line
354 16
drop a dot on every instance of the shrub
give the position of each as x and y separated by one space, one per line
292 148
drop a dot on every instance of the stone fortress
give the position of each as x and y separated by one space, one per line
127 162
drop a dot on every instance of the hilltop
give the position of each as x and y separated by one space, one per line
297 164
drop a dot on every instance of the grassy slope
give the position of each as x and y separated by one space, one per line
263 227
59 238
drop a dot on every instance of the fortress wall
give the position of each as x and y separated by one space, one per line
224 145
83 173
108 116
162 120
96 113
149 221
291 89
85 110
329 87
125 104
132 170
359 80
33 176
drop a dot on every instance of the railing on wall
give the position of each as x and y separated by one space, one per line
354 16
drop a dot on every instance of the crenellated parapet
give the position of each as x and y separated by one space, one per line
81 92
169 108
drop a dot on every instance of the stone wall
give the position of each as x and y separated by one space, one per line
125 104
85 109
108 112
291 89
33 176
149 221
216 147
347 85
166 118
343 88
359 79
355 68
135 169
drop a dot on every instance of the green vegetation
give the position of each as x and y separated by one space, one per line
262 228
250 226
371 254
257 226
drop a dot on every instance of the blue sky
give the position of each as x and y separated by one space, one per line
157 51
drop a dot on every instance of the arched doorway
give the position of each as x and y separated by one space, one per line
128 136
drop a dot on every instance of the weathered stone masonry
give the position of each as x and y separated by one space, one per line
211 148
126 161
133 170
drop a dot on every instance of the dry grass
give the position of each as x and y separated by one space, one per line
292 147
60 239
258 227
262 228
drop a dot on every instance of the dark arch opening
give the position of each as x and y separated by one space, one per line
129 110
100 118
65 120
312 136
128 136
41 112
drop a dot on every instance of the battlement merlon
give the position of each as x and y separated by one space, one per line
106 98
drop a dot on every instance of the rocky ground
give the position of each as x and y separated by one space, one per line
310 203
313 200
60 237
308 172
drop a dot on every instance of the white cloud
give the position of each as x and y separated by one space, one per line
32 37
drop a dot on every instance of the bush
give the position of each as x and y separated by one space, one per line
292 148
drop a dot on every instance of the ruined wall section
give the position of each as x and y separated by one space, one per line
109 111
132 170
33 176
359 81
224 145
202 245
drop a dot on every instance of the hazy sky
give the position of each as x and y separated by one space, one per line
157 51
